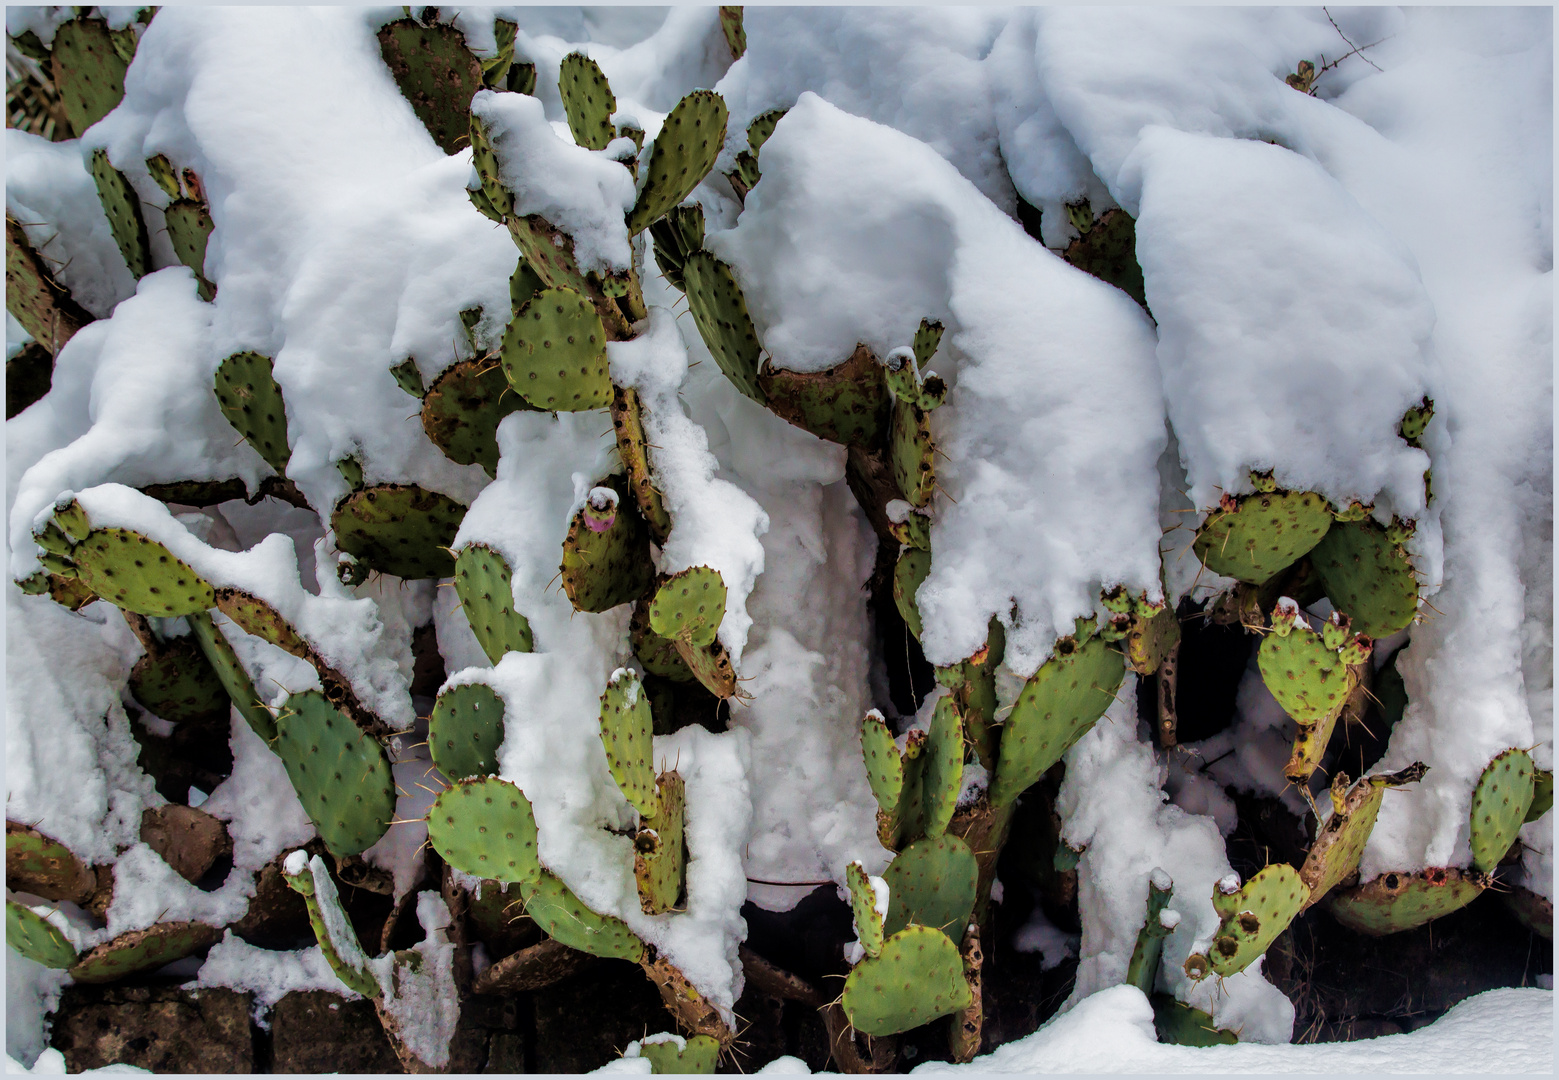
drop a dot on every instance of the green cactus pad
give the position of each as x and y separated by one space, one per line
143 950
689 606
884 766
1415 421
177 683
914 531
676 235
123 207
657 655
846 404
485 827
1179 1024
461 411
603 569
36 938
437 74
332 929
1149 639
918 977
720 312
409 379
735 33
1142 970
943 770
40 865
564 918
909 573
863 906
399 529
1499 807
684 152
1334 856
554 353
1108 251
341 775
659 850
626 725
465 731
711 666
1394 902
588 101
256 616
486 591
932 882
41 304
250 398
1367 577
633 450
1254 916
973 683
928 336
140 575
189 230
88 65
494 199
911 453
235 680
1262 534
1057 706
699 1056
1542 794
1310 681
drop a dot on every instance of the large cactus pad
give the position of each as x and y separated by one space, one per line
846 404
1309 680
942 772
251 399
36 938
1254 915
565 918
932 882
123 207
720 312
1367 576
140 575
484 585
1262 533
1499 807
588 101
554 353
1397 901
341 775
918 977
88 64
485 827
626 726
177 683
399 529
143 950
465 731
437 74
684 152
461 411
689 606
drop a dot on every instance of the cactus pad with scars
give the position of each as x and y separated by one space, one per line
909 573
40 303
1368 576
863 907
1400 901
341 775
711 666
1142 970
606 554
932 882
189 230
1254 537
918 977
436 73
143 950
1253 916
846 404
36 938
461 411
43 866
1310 680
633 450
884 766
399 529
140 575
175 682
565 918
659 849
911 453
588 101
235 680
697 1056
88 65
466 730
720 312
485 827
1499 807
942 772
123 207
554 353
251 399
1334 855
689 606
337 940
625 732
484 584
1057 706
683 153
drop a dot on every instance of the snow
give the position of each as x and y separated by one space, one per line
1040 935
268 974
422 1001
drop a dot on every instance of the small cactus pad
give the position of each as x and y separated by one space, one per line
942 775
554 353
563 917
41 304
493 199
932 882
697 1056
1415 421
1179 1024
588 101
143 950
189 229
250 398
973 683
606 554
1310 681
1397 901
735 32
332 929
88 64
486 591
657 655
720 312
437 74
1254 916
1142 970
176 683
1542 794
485 827
1334 855
659 850
140 575
1150 638
684 152
918 977
689 606
911 453
123 207
461 411
235 680
1255 537
625 732
256 616
1499 807
846 404
36 938
1367 576
341 775
928 336
863 906
676 236
465 731
909 573
1057 706
399 529
711 666
37 864
1108 251
884 766
632 449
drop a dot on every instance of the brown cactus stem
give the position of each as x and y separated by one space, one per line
845 1045
691 1010
871 482
1168 718
985 829
969 1023
628 421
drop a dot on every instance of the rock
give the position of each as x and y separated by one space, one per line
160 1028
584 1022
188 840
315 1031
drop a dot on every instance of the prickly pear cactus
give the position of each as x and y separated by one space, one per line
866 908
683 153
341 775
465 731
143 950
1395 901
720 311
606 555
34 937
689 606
484 585
1253 915
1368 576
932 883
140 575
399 529
251 400
917 978
561 914
1256 536
1499 807
1334 856
485 827
554 353
587 100
668 1055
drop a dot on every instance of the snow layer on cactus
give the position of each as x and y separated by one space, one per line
1068 374
1112 807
